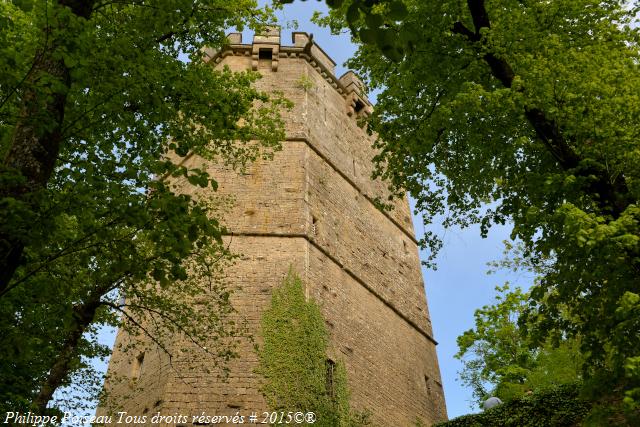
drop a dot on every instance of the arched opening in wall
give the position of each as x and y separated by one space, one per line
136 369
314 226
359 106
404 247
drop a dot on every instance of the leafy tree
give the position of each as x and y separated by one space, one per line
100 103
293 360
523 112
499 360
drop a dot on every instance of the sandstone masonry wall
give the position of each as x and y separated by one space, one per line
311 208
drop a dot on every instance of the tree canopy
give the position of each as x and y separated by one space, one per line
498 359
100 102
522 112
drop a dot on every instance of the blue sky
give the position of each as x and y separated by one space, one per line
460 285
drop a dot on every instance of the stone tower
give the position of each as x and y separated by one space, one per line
312 208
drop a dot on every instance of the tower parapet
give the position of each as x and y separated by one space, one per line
267 48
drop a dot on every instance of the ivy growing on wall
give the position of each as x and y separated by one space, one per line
293 360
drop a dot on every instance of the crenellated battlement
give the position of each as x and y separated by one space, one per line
267 48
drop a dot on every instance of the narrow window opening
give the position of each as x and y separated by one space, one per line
359 106
314 225
137 366
354 166
404 246
330 366
265 54
265 58
427 384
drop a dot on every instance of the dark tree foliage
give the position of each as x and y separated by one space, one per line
99 103
555 407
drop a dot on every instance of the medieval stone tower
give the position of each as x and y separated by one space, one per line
311 207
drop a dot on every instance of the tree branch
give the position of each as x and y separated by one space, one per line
83 316
138 325
479 15
611 193
460 28
172 33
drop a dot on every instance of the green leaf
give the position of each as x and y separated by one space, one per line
353 14
373 21
397 10
385 39
69 60
367 35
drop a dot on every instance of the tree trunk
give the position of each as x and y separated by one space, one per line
36 139
83 316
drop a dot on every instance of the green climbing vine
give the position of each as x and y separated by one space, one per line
293 360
